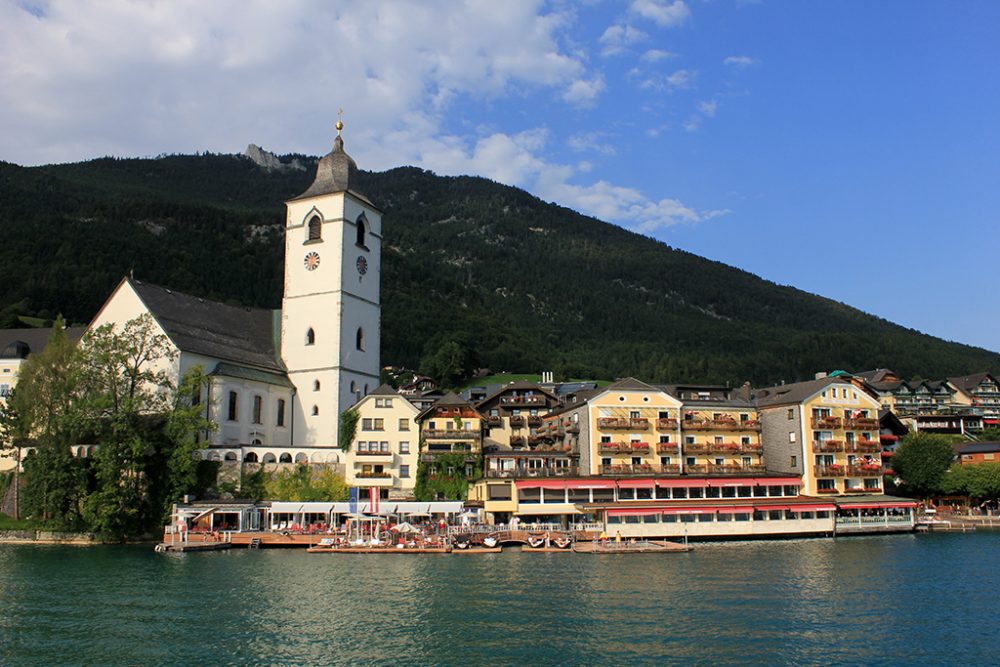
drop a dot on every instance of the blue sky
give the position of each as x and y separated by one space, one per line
846 148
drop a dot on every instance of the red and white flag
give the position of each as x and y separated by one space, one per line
373 499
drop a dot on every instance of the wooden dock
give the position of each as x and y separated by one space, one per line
188 547
658 546
379 550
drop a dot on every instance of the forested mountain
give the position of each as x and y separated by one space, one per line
517 283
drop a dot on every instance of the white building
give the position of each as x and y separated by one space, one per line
280 379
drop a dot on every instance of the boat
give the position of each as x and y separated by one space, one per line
536 541
638 547
490 541
563 542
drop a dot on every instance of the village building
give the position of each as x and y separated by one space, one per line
384 452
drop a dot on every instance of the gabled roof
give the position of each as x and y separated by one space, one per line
521 385
796 392
631 384
246 336
968 383
19 343
977 448
449 400
384 390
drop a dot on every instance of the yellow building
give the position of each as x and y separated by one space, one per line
825 430
384 451
720 431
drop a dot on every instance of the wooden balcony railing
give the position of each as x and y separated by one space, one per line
667 448
830 471
641 469
748 425
612 423
828 446
623 447
861 424
826 423
564 471
450 434
713 425
371 453
735 469
373 475
638 424
666 424
834 490
494 421
861 489
517 421
863 447
534 420
522 400
723 448
871 470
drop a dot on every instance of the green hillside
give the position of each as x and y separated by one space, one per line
517 284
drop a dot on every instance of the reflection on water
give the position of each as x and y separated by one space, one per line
876 600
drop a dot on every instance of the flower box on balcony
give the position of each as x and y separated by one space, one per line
826 490
640 447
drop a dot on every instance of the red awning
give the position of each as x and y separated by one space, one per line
732 482
635 483
634 512
542 484
681 483
769 508
870 506
591 484
778 481
813 508
991 422
689 510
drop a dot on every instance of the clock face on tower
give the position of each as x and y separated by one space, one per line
312 261
362 264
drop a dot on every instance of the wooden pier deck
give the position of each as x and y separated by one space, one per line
188 547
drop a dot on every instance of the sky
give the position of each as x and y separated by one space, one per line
847 148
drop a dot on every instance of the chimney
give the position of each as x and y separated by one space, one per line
820 375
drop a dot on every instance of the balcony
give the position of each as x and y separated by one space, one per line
748 425
826 423
827 491
450 434
522 400
431 457
521 472
713 469
731 448
638 424
373 478
534 420
828 446
623 447
666 424
870 470
641 469
373 457
711 425
861 424
861 489
863 447
516 421
494 421
612 423
573 428
667 448
830 471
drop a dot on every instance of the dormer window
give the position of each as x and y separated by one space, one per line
315 229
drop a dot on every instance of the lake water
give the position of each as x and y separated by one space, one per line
928 599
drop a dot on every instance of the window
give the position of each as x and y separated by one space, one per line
606 461
362 222
354 387
665 438
280 417
664 460
791 413
404 471
315 229
315 410
234 400
359 339
316 385
636 460
795 461
310 337
258 406
404 447
366 424
404 424
378 424
791 437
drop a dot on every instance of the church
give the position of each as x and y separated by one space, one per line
278 380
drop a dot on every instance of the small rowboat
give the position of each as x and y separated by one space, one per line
490 541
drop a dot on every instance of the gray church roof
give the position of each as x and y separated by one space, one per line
336 172
246 336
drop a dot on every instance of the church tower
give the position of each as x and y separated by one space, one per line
330 315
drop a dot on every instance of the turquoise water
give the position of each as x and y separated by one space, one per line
928 599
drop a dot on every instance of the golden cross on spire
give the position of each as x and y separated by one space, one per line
340 121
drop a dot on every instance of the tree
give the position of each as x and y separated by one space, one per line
989 435
980 481
921 461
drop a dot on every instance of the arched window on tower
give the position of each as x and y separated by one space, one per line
310 337
315 385
315 410
315 229
359 339
361 224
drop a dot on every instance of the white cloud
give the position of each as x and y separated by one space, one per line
681 79
656 55
584 92
591 141
708 108
617 38
663 14
740 61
